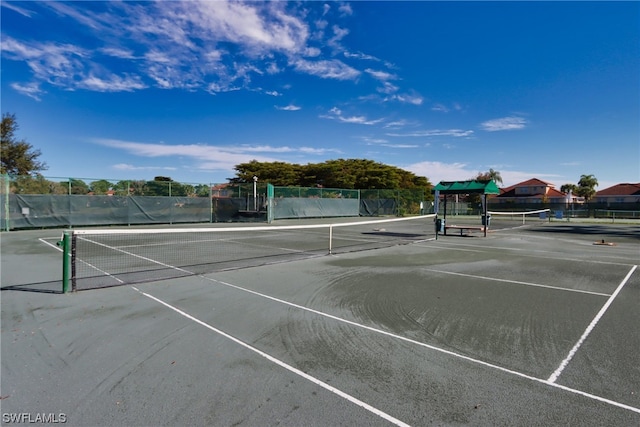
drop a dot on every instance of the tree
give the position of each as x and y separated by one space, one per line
75 186
165 186
587 187
18 157
491 175
101 186
566 188
33 184
275 173
341 173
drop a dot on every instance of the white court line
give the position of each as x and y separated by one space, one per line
494 279
278 362
56 247
421 344
565 362
527 254
360 403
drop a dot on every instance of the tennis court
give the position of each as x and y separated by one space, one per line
535 324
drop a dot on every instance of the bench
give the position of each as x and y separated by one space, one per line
462 228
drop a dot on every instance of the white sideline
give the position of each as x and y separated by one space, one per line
278 362
565 362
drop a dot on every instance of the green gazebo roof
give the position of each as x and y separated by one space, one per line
467 187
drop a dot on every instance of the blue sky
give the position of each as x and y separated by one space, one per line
133 90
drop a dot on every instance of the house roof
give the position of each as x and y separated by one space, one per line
551 193
533 182
467 187
625 189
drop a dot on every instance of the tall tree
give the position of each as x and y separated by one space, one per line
491 175
101 186
340 173
566 188
275 173
18 156
587 186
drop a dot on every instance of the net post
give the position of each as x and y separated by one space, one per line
66 260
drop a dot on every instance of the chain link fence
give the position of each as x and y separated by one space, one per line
42 202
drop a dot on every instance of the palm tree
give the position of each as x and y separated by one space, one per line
491 175
587 186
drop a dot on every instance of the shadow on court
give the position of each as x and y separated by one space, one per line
54 287
599 230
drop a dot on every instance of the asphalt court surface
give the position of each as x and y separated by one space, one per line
528 326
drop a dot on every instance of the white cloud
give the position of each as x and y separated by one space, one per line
457 133
345 9
16 8
31 90
128 167
505 123
338 34
381 75
441 108
111 84
439 171
289 107
205 157
336 114
406 98
118 52
254 26
326 69
360 55
178 45
388 88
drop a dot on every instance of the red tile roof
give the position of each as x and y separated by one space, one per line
533 182
625 189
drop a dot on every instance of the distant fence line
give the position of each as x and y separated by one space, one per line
39 202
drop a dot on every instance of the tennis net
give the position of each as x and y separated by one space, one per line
506 219
110 257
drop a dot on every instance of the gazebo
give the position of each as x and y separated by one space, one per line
473 186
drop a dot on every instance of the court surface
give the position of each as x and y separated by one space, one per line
527 326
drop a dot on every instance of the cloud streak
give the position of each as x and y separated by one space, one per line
207 157
457 133
505 123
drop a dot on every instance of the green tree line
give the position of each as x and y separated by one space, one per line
341 173
159 186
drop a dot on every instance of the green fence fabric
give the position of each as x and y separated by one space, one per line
295 207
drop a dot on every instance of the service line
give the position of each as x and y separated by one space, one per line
516 282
